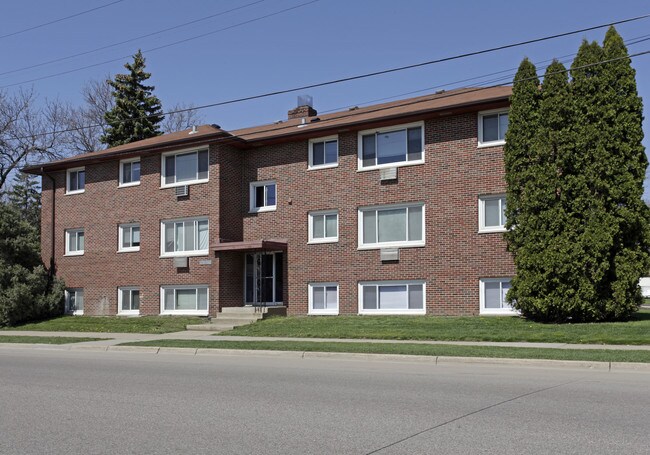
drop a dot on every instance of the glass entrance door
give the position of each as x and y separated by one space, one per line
263 279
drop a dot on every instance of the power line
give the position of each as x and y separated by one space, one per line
203 35
60 19
108 46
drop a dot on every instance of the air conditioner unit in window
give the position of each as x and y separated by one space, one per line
182 190
389 254
180 262
387 174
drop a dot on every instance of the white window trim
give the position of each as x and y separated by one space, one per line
187 182
310 165
67 180
164 254
311 299
251 197
120 237
120 311
493 311
422 310
482 114
481 214
378 246
310 223
67 296
361 168
184 312
67 243
121 172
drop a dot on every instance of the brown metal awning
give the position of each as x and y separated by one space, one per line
251 245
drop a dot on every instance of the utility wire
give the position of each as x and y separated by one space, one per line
164 46
108 46
60 19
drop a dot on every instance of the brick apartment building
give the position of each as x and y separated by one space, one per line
395 208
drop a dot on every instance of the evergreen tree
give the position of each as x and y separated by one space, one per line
137 112
25 196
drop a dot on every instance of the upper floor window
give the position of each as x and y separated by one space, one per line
75 181
391 226
182 168
493 293
262 196
324 226
492 213
393 146
323 152
186 237
130 172
74 242
492 127
129 237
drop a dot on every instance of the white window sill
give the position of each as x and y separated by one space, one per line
490 144
129 313
129 250
183 254
189 182
127 185
324 312
269 208
492 230
76 253
185 312
379 246
323 166
68 193
319 241
390 312
389 165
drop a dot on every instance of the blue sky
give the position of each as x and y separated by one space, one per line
323 40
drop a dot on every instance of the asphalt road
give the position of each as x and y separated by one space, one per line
75 402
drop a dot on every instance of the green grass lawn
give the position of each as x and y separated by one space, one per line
635 331
593 355
144 324
45 340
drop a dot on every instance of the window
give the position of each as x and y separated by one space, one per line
186 237
323 152
492 127
129 237
324 227
184 168
324 298
74 242
128 300
392 146
75 180
130 172
492 214
493 296
391 226
263 196
392 297
74 301
190 300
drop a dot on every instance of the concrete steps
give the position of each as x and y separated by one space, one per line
231 317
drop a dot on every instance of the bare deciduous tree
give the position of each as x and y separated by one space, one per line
178 121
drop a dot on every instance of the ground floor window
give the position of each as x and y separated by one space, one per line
264 282
128 300
74 301
188 300
392 297
493 296
323 298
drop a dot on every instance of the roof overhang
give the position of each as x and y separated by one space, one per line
251 245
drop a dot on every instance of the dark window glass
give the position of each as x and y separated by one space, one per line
135 171
414 144
318 154
368 153
259 196
203 164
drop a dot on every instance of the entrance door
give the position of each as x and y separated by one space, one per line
263 279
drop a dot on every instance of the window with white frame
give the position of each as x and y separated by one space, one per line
323 152
183 168
324 226
392 297
129 237
388 147
75 180
188 300
492 127
324 298
74 242
263 196
130 172
184 237
492 213
400 225
74 301
128 300
493 293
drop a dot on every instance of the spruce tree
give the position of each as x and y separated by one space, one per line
137 113
25 196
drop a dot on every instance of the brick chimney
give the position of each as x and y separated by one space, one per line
304 108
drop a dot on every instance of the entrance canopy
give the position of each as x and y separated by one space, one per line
251 245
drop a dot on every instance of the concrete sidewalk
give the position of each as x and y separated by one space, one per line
113 339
